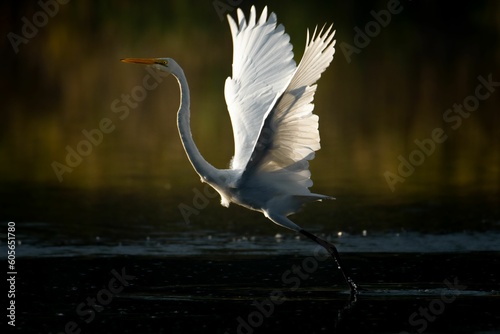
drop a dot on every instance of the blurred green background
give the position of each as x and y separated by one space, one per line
372 104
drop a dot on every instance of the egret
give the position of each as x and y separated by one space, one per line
269 99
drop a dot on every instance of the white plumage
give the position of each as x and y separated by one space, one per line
269 100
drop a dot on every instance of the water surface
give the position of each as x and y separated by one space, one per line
230 270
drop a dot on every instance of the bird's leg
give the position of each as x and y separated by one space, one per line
335 254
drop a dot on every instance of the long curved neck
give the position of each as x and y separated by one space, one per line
200 165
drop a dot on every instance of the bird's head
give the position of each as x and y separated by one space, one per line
160 64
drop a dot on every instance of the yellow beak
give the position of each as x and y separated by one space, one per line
147 61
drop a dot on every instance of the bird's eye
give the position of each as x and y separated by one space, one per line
161 62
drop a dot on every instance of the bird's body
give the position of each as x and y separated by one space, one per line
269 99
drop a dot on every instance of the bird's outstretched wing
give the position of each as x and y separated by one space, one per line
262 67
290 134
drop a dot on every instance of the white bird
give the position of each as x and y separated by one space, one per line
269 99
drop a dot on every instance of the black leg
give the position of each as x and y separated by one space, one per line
335 254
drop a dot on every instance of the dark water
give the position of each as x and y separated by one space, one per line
212 294
121 262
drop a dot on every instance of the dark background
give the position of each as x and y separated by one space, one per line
119 205
372 106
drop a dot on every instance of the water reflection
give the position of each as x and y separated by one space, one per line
214 293
217 243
